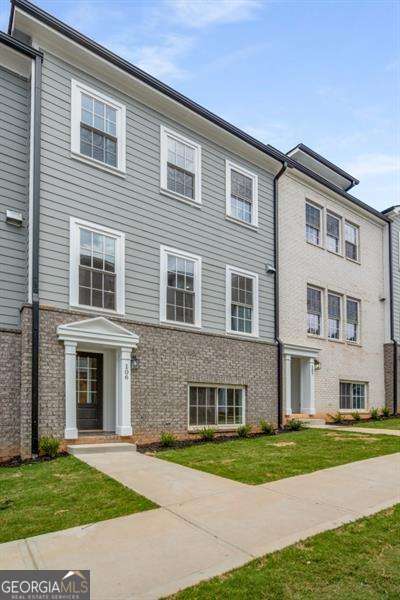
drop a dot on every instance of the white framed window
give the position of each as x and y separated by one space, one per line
352 320
352 241
180 287
241 302
180 166
314 310
313 224
97 269
216 406
353 395
333 231
241 194
334 316
98 125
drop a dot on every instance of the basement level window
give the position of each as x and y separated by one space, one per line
216 406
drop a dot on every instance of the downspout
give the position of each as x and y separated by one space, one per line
392 335
276 302
35 232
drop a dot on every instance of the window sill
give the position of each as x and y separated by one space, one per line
169 194
241 334
336 341
218 428
356 344
339 254
99 165
195 326
242 223
320 246
316 337
356 262
348 411
93 309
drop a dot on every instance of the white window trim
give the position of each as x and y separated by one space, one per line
321 223
165 132
330 292
357 227
75 226
231 427
164 251
338 218
230 166
228 279
77 88
366 405
323 302
358 341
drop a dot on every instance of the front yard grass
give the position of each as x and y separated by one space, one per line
40 497
357 561
268 458
392 423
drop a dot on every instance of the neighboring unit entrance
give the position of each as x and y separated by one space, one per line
89 391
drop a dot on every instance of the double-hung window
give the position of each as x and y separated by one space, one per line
352 396
221 406
314 311
313 224
352 241
334 316
180 166
241 194
97 127
180 292
333 233
241 302
352 320
96 267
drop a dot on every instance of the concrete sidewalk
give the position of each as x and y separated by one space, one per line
207 525
354 429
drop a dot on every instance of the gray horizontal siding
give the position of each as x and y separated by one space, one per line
14 122
135 206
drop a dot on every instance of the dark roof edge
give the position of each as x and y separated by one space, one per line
126 66
389 210
327 163
11 42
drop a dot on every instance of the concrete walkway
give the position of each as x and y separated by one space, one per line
355 429
206 525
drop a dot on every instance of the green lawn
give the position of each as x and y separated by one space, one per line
267 458
359 561
46 496
392 423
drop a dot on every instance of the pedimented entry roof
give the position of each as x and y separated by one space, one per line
98 330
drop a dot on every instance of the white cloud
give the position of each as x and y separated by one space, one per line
374 164
201 13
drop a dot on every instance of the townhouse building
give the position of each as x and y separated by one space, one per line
141 289
334 298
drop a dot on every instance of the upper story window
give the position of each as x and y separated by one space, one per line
96 267
180 166
334 316
352 320
180 292
333 232
314 311
313 224
241 302
352 241
241 194
98 127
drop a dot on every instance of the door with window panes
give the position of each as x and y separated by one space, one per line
89 391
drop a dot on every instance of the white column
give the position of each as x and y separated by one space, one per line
71 431
288 383
311 370
123 412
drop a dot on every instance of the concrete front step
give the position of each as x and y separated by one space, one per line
77 449
310 422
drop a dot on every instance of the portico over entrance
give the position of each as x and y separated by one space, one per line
97 376
299 379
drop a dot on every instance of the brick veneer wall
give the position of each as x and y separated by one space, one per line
169 359
10 356
389 367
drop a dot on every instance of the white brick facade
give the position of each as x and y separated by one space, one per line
301 263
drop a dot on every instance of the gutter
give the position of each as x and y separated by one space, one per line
392 335
276 292
15 44
124 65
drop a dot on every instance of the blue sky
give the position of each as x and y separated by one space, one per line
321 72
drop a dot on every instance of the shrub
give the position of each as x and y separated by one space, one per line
266 427
385 412
356 415
49 446
167 439
374 414
294 425
243 431
336 418
207 434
